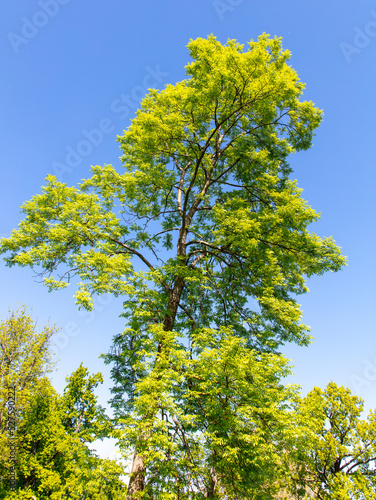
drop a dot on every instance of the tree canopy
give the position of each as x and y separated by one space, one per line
206 237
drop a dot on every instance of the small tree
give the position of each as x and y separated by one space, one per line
207 180
51 432
24 352
53 459
336 455
24 359
82 414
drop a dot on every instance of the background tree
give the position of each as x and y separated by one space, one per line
53 459
336 455
206 179
24 359
83 415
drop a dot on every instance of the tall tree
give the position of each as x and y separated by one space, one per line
207 180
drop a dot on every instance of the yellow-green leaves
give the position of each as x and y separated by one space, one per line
206 180
70 230
24 352
207 238
338 448
52 459
224 407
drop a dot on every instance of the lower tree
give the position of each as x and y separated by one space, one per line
52 457
210 425
335 457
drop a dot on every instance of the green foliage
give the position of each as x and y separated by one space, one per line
205 179
83 415
24 352
222 134
222 410
52 458
24 359
336 455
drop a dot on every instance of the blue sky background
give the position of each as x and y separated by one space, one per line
73 66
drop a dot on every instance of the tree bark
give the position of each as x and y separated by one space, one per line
213 483
137 479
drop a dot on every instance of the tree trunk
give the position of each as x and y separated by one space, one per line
137 479
213 483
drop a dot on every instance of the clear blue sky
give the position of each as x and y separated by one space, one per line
71 66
